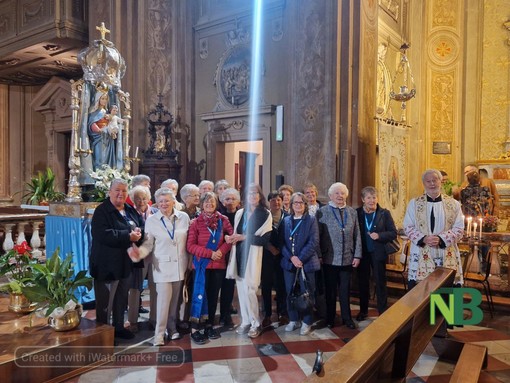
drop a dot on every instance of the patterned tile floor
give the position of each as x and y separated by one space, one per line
278 356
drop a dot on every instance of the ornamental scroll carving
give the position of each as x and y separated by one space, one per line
159 50
312 118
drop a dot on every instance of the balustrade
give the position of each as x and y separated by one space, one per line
18 224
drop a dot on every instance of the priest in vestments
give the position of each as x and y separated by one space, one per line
434 224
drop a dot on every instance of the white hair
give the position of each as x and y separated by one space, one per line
338 185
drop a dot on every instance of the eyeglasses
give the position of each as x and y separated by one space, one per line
298 203
253 193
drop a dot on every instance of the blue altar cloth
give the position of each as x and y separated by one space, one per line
71 235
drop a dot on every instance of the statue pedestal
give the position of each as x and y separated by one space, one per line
68 229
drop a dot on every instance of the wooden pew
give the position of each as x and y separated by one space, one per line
389 347
471 361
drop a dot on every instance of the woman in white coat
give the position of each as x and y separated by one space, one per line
252 230
166 233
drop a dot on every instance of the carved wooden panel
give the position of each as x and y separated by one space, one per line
33 14
7 20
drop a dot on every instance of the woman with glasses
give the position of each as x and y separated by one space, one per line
340 243
190 195
252 230
300 239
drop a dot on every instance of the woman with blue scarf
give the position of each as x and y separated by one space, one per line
206 241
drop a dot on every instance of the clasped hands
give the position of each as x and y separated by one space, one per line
216 255
432 240
234 238
135 234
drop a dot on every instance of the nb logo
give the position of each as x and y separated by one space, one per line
450 303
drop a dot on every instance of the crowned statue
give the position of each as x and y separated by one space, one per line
101 114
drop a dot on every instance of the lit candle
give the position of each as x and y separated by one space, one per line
136 152
469 219
128 150
481 221
79 142
475 226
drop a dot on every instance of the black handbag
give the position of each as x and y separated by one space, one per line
392 246
297 300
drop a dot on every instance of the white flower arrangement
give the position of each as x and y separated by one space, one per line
103 178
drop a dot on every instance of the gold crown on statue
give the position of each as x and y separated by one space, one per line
102 62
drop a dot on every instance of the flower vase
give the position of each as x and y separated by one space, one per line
19 304
69 321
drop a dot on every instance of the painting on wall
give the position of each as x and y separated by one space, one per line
393 168
233 76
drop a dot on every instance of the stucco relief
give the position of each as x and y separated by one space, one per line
444 48
442 105
444 13
33 12
392 7
204 48
7 21
495 123
277 34
159 48
312 133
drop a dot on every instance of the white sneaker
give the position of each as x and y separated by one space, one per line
158 340
254 332
305 329
292 326
243 329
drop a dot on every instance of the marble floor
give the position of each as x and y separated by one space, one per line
278 356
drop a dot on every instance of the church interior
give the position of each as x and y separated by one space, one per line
361 92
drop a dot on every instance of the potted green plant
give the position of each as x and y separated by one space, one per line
17 266
41 189
53 286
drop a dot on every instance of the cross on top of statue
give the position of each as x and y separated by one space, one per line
103 30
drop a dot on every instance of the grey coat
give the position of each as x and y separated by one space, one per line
340 239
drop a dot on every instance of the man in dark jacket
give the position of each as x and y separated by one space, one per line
115 226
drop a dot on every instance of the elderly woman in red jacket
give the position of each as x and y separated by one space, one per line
206 242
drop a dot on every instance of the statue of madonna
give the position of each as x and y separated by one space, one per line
106 145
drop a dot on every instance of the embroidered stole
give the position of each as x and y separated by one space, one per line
426 264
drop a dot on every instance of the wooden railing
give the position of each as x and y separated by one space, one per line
18 225
389 347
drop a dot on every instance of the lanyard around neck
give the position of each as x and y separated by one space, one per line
341 220
292 238
369 226
172 234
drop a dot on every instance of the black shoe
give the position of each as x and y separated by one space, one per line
143 310
350 324
233 310
124 334
267 322
198 337
211 333
330 325
361 316
227 322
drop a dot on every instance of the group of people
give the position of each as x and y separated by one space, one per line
195 252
